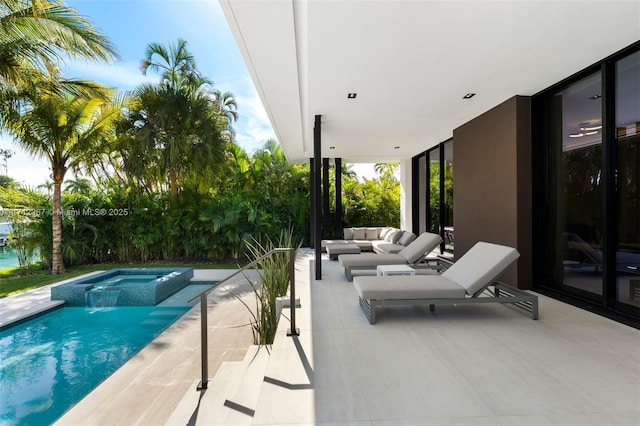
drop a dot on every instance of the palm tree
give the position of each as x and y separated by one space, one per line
175 64
173 130
386 170
69 132
36 34
169 135
228 108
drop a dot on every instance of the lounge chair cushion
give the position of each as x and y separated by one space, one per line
418 247
406 238
370 259
480 265
407 287
348 233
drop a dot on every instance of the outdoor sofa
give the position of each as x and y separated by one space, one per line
412 254
465 281
378 239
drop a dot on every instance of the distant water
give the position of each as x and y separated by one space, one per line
8 258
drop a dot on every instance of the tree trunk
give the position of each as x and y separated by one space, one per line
173 184
57 264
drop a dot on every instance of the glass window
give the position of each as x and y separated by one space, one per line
434 191
448 196
628 177
576 185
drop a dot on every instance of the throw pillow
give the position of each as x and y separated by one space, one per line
372 233
348 233
397 236
393 236
383 232
359 234
406 238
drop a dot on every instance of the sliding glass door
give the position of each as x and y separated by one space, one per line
627 139
433 193
576 186
588 203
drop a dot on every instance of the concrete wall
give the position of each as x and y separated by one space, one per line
492 184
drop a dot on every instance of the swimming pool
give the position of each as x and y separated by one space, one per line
49 363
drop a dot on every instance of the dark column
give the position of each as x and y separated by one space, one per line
610 195
442 210
337 227
312 206
326 211
317 155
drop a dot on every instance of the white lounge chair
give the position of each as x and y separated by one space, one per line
415 252
463 282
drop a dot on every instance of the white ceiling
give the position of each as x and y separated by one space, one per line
411 62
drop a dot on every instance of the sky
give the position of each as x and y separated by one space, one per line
131 25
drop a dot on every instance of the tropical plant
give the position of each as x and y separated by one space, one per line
175 64
373 201
36 34
228 109
69 132
172 134
170 137
274 278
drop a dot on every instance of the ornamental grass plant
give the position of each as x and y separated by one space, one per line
273 282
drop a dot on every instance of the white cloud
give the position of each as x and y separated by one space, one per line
22 167
253 127
124 76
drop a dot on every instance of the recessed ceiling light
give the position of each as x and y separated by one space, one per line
351 95
595 97
468 96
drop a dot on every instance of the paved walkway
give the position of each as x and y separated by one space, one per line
22 305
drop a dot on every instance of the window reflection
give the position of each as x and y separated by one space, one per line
628 176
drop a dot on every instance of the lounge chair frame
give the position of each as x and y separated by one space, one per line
435 264
501 293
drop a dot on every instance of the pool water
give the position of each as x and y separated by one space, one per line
51 362
125 279
8 258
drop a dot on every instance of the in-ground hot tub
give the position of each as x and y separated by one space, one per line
124 287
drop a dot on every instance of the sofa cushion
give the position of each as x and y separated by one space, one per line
372 234
389 234
325 243
365 245
348 233
406 238
359 234
383 232
393 236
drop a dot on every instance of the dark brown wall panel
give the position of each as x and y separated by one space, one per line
492 184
